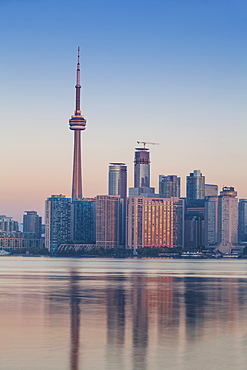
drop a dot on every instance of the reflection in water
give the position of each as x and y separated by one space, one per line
115 317
74 322
130 319
140 321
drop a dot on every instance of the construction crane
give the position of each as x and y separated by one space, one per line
146 142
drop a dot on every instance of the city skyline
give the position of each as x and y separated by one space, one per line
163 72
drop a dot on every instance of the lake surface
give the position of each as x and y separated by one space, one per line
133 314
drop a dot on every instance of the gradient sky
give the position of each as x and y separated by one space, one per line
168 71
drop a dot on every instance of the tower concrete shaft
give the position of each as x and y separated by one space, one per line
77 123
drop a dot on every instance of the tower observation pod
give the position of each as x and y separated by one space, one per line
77 123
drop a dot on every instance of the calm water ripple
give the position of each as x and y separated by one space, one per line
135 314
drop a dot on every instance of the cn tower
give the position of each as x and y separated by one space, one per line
77 123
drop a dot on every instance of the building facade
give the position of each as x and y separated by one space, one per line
58 222
32 223
211 190
7 224
211 220
154 222
141 174
228 217
242 220
169 186
117 180
195 186
108 221
84 221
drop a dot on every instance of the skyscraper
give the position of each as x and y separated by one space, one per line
32 223
169 186
227 219
117 184
77 124
141 174
195 186
57 222
142 168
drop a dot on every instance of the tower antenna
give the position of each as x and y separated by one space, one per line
78 86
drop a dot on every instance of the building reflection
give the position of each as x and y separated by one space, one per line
138 312
115 319
139 321
74 321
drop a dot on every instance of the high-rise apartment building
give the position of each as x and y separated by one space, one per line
227 218
58 228
169 186
141 174
7 224
154 222
242 220
32 223
108 221
195 186
84 221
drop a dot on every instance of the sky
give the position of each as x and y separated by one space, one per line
165 71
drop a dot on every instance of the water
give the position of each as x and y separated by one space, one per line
76 314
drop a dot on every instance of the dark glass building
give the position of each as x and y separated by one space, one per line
84 221
195 186
242 220
32 223
58 220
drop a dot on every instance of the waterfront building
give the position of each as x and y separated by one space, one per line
211 220
77 123
7 224
195 186
58 220
32 223
194 224
19 240
169 186
211 190
108 221
141 174
227 218
242 220
154 222
84 221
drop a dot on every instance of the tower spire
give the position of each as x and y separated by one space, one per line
77 123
